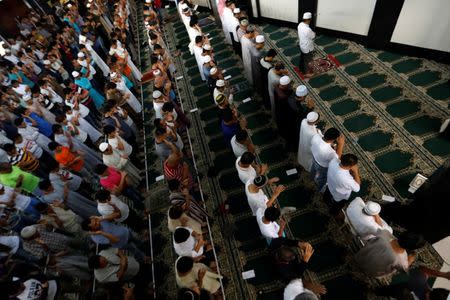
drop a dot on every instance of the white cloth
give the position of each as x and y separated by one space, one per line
322 151
364 225
132 100
273 80
187 248
33 134
226 17
267 230
199 58
238 149
31 146
255 200
293 289
306 37
12 241
34 290
97 59
127 148
340 182
304 156
193 33
105 209
85 126
21 201
247 44
245 174
157 106
62 177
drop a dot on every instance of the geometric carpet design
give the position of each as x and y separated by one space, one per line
383 152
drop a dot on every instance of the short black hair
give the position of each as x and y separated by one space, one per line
272 53
331 134
247 158
272 214
227 114
107 129
94 262
53 145
175 212
168 106
157 46
41 207
180 235
44 184
185 264
52 165
56 127
102 195
410 241
100 169
241 135
439 294
18 121
198 39
86 225
174 184
9 147
349 160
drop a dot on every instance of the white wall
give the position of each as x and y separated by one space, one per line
424 23
286 10
353 16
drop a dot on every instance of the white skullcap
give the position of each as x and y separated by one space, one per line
90 0
236 10
103 146
220 83
157 72
301 91
213 71
156 94
285 80
206 59
207 47
372 208
47 62
244 22
312 117
45 92
148 1
28 232
111 52
184 5
69 5
80 54
88 5
259 39
26 97
75 74
307 15
113 75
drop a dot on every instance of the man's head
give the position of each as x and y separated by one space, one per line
300 92
259 42
105 148
46 186
241 136
10 149
312 118
260 181
174 185
272 214
410 241
54 146
307 17
372 208
285 82
109 130
247 159
331 135
175 212
29 232
271 54
184 264
42 208
101 170
97 262
103 196
306 296
348 161
5 168
90 225
57 129
19 122
181 235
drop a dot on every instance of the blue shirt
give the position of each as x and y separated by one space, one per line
118 231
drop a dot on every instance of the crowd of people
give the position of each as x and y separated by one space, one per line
72 206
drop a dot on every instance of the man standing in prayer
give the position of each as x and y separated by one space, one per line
273 80
247 45
306 37
308 130
255 57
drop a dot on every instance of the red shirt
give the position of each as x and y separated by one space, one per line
112 180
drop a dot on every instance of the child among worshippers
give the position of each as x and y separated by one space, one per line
177 217
255 195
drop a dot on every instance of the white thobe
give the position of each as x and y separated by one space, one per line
272 81
199 58
304 156
98 60
132 100
247 44
226 20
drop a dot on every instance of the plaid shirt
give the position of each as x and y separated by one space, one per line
55 242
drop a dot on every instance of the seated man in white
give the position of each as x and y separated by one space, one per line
255 195
187 242
247 168
365 219
240 143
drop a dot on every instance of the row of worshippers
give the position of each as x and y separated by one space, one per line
195 267
70 130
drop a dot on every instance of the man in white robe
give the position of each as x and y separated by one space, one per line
198 50
273 80
308 129
226 19
247 44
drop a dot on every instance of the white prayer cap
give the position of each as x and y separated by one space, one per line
90 0
26 97
28 232
75 74
244 22
307 16
157 72
80 54
213 71
148 1
45 92
207 47
372 208
285 80
103 146
145 22
206 59
184 5
220 83
47 62
88 5
301 91
69 5
111 52
236 10
312 117
156 94
259 39
113 75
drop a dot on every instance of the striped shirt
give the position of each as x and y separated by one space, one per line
24 160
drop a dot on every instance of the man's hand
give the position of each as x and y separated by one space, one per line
263 169
201 274
279 189
341 139
315 287
307 252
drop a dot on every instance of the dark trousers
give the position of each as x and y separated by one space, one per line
236 46
134 196
305 59
335 206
